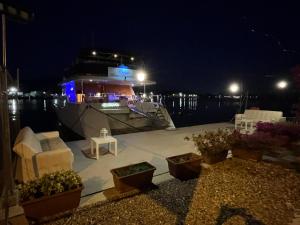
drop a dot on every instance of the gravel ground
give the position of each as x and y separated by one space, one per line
231 192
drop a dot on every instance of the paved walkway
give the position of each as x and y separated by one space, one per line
151 146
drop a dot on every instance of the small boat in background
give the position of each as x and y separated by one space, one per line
97 93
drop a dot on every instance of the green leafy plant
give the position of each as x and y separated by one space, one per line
133 169
49 184
212 142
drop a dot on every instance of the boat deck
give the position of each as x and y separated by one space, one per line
150 146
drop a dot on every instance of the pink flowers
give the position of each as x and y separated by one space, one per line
289 130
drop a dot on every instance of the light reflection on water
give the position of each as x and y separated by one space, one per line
185 111
45 105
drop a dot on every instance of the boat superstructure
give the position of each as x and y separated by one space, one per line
98 92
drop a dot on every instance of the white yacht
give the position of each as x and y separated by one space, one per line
98 92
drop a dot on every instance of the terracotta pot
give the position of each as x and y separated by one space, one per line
215 158
50 205
247 154
135 180
185 166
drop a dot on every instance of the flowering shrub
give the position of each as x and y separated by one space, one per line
212 142
289 130
296 75
49 184
258 140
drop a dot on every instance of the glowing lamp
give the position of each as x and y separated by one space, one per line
282 84
94 53
234 88
115 56
13 90
141 76
132 58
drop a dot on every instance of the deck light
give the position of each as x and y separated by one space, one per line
115 56
94 53
234 88
132 58
91 80
282 84
141 76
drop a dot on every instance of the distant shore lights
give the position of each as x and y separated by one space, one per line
13 90
234 88
282 84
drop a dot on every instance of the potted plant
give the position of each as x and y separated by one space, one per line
253 146
185 166
51 194
213 145
135 176
288 130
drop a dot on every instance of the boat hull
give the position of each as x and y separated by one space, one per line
87 120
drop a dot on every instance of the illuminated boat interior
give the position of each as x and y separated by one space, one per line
101 77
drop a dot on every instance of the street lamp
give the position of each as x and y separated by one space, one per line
282 84
141 76
234 88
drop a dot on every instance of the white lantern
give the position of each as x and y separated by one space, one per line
103 132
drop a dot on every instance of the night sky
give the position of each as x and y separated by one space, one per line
186 46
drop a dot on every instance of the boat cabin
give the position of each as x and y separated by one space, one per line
103 77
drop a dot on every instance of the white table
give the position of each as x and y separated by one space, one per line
104 140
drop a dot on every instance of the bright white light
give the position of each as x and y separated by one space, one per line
110 104
91 80
115 56
13 90
94 53
132 58
144 95
180 94
282 84
141 76
14 107
234 88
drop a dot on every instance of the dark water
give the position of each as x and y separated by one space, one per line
40 116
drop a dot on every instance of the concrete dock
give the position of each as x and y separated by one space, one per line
151 146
